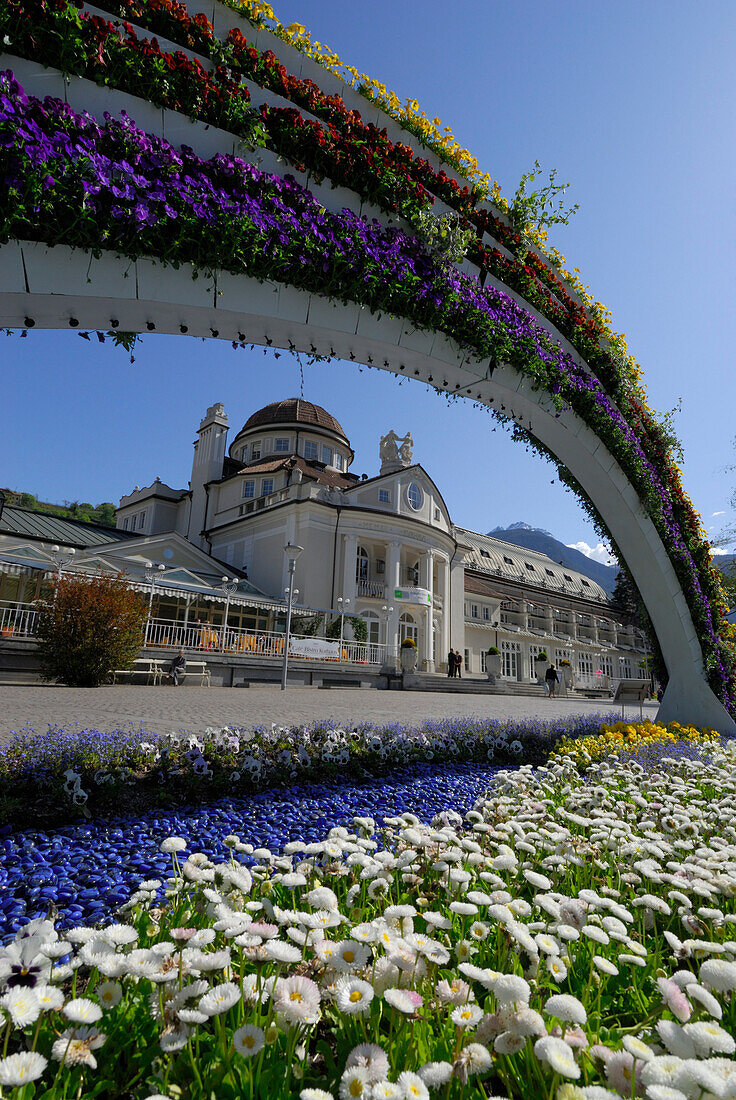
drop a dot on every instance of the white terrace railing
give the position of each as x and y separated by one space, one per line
17 620
207 638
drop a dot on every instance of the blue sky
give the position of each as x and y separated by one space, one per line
632 102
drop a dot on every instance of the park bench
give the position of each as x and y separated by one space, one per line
199 668
143 666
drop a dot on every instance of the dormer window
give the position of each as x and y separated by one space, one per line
310 450
281 445
255 450
384 496
243 456
338 463
326 455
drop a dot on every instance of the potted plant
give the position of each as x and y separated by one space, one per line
566 669
493 664
540 661
408 655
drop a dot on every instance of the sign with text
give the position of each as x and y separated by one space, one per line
314 647
413 595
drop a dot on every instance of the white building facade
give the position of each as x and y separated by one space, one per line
384 548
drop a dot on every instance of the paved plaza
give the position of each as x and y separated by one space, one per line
162 709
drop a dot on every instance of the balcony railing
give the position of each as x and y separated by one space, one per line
373 589
206 638
17 620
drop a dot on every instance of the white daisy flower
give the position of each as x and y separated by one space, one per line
547 944
677 1041
353 996
436 1074
173 844
371 1057
49 997
19 1069
472 1060
403 1000
22 1005
466 1015
605 966
354 1084
566 1008
82 1011
719 975
315 1094
509 988
509 1042
556 968
637 1048
705 999
709 1037
350 955
412 1086
281 952
75 1045
249 1040
558 1055
220 999
386 1090
297 999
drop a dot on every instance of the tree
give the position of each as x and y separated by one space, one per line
90 626
625 595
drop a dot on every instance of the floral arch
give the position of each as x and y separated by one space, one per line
200 169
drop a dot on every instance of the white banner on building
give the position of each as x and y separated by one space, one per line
314 647
413 595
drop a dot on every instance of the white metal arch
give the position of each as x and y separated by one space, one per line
141 296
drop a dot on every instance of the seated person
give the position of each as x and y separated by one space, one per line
177 670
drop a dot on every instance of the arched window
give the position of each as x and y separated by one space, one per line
407 628
361 564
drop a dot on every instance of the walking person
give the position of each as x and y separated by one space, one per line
458 664
451 663
551 679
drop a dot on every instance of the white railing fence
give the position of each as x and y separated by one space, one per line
206 638
17 620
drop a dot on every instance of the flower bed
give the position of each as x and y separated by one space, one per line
73 181
572 937
72 772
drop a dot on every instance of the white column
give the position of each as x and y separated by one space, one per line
349 565
445 635
426 578
393 576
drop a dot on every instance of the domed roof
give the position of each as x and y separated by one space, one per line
294 410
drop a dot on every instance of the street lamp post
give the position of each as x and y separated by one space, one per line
228 586
292 553
150 572
61 558
342 604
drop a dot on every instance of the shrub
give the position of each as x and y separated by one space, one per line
92 625
492 651
408 643
541 656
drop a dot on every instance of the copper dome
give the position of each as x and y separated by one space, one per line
294 410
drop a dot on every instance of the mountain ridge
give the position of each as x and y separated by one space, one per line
536 538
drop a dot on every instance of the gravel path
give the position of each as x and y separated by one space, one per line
161 709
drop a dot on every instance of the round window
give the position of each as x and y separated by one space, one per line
415 495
